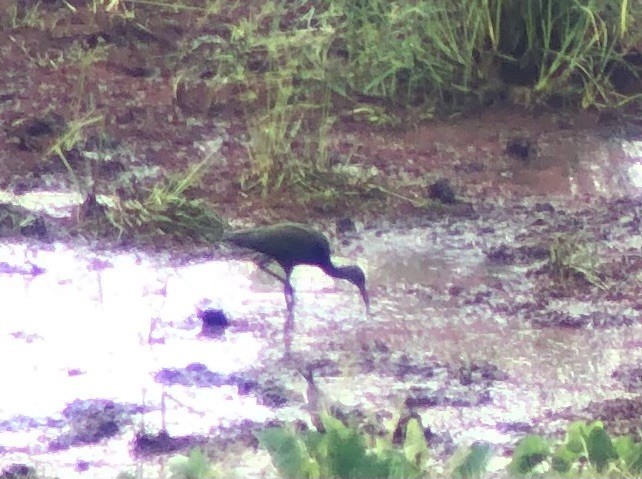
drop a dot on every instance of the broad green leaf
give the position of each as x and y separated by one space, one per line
600 448
288 452
564 457
415 446
530 451
196 466
473 464
576 435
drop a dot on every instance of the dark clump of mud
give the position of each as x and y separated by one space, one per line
93 420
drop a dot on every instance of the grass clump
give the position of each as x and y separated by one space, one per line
408 52
20 14
461 54
292 72
569 48
288 110
572 257
166 210
74 135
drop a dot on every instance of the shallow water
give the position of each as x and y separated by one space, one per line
101 325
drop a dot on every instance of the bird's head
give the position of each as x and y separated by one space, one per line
355 275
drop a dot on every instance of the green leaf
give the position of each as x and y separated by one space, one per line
346 448
288 452
576 435
631 454
415 446
196 466
600 448
561 464
530 452
473 464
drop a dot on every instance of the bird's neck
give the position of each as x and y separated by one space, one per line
338 272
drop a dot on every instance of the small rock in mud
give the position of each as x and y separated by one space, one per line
521 148
36 228
91 421
544 208
244 385
214 321
479 373
18 471
443 191
514 427
213 317
478 297
345 225
194 374
147 444
405 367
505 254
455 290
273 395
37 134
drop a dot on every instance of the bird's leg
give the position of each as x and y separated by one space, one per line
263 265
287 332
288 291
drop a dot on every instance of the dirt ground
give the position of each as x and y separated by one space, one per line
144 130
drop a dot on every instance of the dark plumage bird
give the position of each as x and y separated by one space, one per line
292 244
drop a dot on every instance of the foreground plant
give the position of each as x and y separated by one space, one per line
195 466
342 452
587 451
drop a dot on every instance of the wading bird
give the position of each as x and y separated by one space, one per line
292 244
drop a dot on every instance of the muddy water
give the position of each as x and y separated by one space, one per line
82 325
547 370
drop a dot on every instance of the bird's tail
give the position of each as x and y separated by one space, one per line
230 235
239 237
